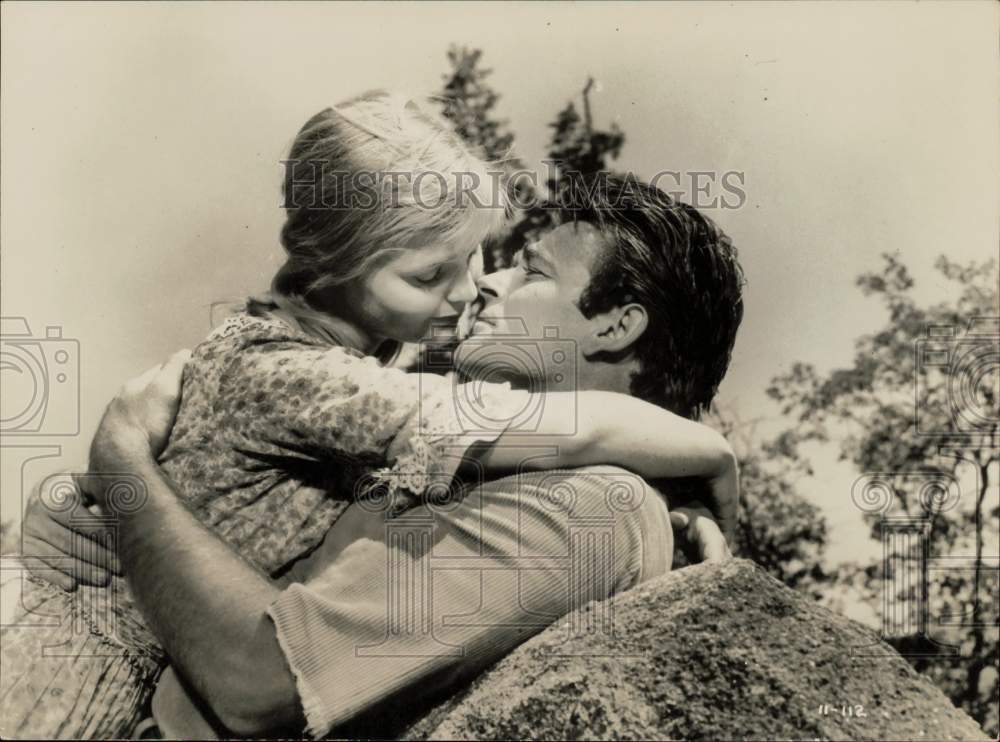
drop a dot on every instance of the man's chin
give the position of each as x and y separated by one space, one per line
476 362
480 329
442 331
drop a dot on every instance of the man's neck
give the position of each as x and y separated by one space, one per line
606 377
590 376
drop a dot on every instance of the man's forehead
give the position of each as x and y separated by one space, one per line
578 242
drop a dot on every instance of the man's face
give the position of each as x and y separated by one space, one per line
536 299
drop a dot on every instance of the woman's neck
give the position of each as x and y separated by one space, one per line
350 335
327 327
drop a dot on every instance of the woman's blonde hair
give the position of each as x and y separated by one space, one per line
372 176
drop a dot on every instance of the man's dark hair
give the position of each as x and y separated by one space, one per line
675 262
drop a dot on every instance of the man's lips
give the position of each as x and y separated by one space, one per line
482 326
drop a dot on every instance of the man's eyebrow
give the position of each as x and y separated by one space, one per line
533 251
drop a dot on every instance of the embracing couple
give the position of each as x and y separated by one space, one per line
314 537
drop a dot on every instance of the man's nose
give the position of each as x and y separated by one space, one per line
496 285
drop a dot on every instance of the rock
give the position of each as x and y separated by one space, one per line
714 651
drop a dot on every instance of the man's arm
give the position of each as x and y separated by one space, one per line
203 601
206 604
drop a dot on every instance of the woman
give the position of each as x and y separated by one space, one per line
288 412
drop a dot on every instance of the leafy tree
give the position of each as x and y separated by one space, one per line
778 528
918 414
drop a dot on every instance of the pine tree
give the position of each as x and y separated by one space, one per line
469 102
576 147
579 152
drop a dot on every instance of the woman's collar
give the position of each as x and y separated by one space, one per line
294 311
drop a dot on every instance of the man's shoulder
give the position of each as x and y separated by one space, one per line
615 489
592 472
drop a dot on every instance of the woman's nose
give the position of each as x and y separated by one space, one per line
463 290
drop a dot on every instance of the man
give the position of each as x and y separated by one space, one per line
385 613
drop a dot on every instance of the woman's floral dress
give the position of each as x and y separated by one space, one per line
276 434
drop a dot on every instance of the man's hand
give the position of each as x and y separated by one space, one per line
698 535
137 423
135 426
48 538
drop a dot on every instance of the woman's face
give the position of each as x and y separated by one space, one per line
401 298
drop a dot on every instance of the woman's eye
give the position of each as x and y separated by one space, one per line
429 277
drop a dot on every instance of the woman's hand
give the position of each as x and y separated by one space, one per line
625 431
698 535
724 491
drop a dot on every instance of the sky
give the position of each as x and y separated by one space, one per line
141 147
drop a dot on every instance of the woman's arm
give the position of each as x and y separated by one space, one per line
618 429
424 426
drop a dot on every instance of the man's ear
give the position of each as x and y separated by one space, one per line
616 330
